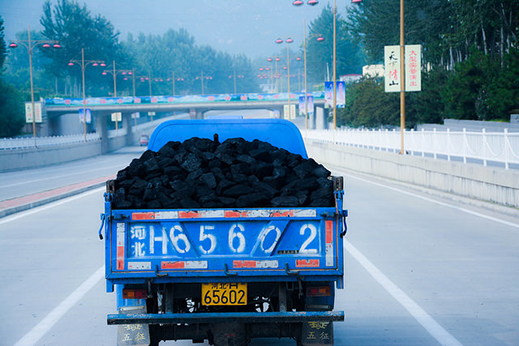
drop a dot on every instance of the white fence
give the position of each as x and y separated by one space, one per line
40 142
483 147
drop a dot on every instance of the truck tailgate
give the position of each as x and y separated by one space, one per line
238 245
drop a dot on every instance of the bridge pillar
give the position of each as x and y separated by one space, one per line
195 113
127 123
320 119
102 130
311 120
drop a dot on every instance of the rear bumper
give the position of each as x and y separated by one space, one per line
216 317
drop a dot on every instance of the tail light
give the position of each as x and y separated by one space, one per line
133 293
321 291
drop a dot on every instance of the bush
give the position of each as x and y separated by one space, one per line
12 110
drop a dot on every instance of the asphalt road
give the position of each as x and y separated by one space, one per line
25 182
420 270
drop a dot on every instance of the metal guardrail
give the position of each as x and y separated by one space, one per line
478 147
43 142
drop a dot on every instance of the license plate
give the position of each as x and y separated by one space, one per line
224 294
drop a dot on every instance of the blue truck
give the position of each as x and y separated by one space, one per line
225 275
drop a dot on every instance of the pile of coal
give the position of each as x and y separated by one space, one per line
204 173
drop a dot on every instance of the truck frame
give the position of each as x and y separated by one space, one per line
225 275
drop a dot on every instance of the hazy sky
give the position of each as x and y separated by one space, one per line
235 26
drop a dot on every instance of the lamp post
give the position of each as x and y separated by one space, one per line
288 40
313 3
275 59
201 77
173 80
234 76
319 39
115 72
402 79
30 45
84 63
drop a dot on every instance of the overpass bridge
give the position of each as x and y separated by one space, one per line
101 108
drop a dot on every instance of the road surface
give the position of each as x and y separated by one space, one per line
420 270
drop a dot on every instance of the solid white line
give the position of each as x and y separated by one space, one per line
511 224
55 315
437 331
49 206
54 177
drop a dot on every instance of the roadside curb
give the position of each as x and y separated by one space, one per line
20 204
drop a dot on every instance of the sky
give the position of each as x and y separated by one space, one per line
234 26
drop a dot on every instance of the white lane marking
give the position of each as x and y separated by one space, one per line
437 331
49 206
82 172
508 223
59 311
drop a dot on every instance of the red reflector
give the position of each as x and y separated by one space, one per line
130 293
323 291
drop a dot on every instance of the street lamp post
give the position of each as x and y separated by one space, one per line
173 80
115 72
84 63
313 3
201 77
234 76
334 65
319 39
288 40
275 59
30 45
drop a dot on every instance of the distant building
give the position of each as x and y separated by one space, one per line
373 71
350 78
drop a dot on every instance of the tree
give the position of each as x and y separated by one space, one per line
320 54
160 56
376 23
75 29
11 102
11 110
367 105
3 47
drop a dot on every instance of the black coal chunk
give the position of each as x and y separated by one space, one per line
204 173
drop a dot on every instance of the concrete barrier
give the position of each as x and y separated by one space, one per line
495 185
11 160
16 159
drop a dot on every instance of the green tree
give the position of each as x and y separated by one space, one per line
11 110
11 102
3 47
349 59
160 56
367 105
376 23
75 29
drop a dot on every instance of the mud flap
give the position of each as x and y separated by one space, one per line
317 333
133 334
229 334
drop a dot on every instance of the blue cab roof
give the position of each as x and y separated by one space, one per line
278 132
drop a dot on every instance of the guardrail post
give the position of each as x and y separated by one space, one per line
423 142
434 144
449 144
507 148
484 145
465 145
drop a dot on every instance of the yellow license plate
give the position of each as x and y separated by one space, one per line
224 294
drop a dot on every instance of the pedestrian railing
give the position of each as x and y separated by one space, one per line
42 142
501 148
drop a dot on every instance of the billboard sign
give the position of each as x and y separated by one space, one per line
29 112
413 63
392 68
340 96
